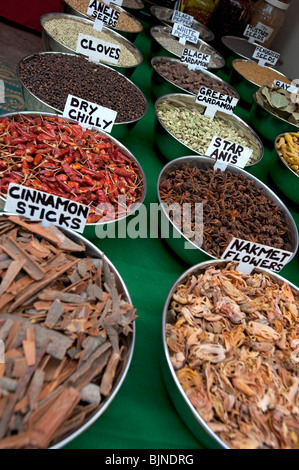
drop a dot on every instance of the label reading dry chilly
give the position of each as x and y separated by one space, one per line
89 114
182 18
226 152
195 59
97 50
102 14
259 33
265 56
250 255
216 101
50 209
184 33
285 86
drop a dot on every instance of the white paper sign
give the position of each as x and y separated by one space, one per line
259 33
98 50
184 33
285 86
182 18
2 91
265 56
195 59
102 14
252 255
215 101
50 209
226 152
89 114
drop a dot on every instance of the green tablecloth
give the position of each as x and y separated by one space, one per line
142 416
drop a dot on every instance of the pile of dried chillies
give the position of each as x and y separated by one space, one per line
53 155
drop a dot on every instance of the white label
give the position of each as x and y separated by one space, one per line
265 56
2 91
184 33
102 14
259 33
89 114
195 59
182 18
50 209
252 255
285 86
226 152
117 2
97 50
216 101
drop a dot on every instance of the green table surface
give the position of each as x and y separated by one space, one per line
142 416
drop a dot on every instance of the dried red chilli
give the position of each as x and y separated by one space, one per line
53 155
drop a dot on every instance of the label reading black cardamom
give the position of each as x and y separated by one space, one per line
195 59
216 101
97 50
225 152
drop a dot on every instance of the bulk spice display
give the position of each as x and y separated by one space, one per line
258 74
288 148
66 329
61 158
279 101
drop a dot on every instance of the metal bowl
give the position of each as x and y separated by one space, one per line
33 103
164 15
196 424
94 230
285 178
171 147
160 47
268 124
161 85
136 5
51 44
130 35
180 244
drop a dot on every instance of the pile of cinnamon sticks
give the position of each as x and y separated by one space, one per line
66 330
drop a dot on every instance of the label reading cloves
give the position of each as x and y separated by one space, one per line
182 18
216 101
225 152
195 59
184 33
252 255
89 114
259 33
265 56
97 50
50 209
285 86
102 14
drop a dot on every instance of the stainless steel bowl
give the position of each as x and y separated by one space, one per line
130 35
163 86
94 230
171 147
33 103
51 44
187 250
164 15
136 5
196 424
161 46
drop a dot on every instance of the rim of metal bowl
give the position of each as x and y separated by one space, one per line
253 62
193 270
273 114
213 52
87 21
234 117
243 41
208 162
124 149
58 111
139 6
206 72
278 154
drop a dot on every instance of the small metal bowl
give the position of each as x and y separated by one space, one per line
285 178
51 44
135 6
180 244
171 147
130 35
33 103
268 124
195 423
164 15
160 48
161 85
94 230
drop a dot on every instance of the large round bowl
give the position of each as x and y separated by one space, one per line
122 369
172 147
161 47
196 424
52 44
98 229
164 15
180 244
130 35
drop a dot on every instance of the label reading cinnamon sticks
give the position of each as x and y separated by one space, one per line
97 50
182 18
226 152
252 255
195 59
102 14
216 101
50 209
265 56
184 33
